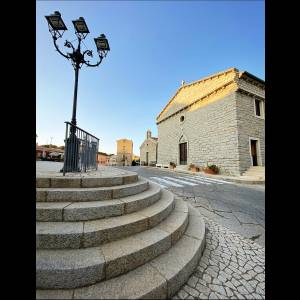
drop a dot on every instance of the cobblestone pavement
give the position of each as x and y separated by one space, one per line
232 267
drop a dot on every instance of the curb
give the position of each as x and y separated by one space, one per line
235 180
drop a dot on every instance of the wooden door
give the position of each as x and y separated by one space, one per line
183 153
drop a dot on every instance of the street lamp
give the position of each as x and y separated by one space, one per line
57 28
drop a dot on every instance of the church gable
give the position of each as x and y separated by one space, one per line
188 94
148 141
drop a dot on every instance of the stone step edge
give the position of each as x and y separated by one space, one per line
84 182
110 262
90 194
160 278
67 211
84 234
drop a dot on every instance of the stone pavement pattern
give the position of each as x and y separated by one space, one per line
232 267
52 169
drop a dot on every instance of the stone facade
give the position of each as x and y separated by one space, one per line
148 150
124 152
217 123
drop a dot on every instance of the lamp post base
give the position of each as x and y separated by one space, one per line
71 161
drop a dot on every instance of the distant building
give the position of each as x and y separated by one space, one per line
135 157
112 160
124 152
148 150
44 152
103 158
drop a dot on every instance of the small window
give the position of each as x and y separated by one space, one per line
257 108
181 118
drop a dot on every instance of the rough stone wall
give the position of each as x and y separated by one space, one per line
150 146
191 92
210 132
249 126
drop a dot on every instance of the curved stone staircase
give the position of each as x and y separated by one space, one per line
113 237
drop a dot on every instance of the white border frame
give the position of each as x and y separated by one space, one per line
259 161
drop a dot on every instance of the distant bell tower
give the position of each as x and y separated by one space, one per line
148 134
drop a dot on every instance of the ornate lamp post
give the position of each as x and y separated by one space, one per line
57 28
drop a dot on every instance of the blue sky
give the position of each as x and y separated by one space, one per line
154 45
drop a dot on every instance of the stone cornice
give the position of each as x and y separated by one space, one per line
248 93
252 79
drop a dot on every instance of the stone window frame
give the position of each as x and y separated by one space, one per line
259 159
261 106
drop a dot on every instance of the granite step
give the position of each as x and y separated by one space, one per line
91 210
85 182
160 278
75 268
90 194
83 234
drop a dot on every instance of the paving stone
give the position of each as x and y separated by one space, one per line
201 281
192 281
248 287
191 291
228 292
211 272
218 288
207 278
182 294
235 282
242 290
203 296
258 269
202 289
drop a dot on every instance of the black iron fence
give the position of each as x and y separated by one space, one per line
81 150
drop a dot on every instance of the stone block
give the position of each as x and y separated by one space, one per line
175 225
142 283
42 182
130 179
93 210
132 189
62 269
58 235
64 182
142 200
41 195
88 182
54 294
79 195
160 210
177 264
49 211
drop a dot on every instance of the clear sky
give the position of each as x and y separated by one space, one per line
154 45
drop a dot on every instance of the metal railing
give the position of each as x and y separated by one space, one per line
81 150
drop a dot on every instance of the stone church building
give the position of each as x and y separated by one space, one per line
219 120
148 150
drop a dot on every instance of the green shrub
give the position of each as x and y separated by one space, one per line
213 167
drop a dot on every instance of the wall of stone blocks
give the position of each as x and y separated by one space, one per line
249 126
149 146
188 93
211 133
